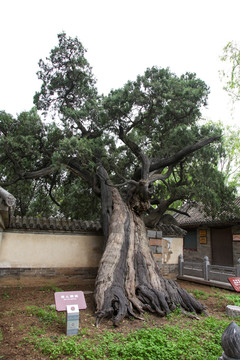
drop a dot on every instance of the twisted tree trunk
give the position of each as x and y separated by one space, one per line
129 281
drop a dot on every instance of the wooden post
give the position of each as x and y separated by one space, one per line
238 268
206 263
180 265
231 342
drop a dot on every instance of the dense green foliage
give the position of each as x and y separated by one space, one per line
155 116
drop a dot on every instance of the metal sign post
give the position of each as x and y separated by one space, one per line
71 302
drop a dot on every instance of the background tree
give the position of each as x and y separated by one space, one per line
231 75
229 162
140 145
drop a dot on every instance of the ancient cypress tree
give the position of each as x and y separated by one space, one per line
140 149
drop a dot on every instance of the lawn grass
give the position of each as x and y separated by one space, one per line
40 329
179 338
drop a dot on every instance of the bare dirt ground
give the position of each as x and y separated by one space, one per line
15 322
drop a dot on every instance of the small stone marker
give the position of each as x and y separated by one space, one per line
235 282
233 310
71 302
72 323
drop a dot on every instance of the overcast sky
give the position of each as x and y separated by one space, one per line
123 38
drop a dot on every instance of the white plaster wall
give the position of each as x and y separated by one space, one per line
171 249
50 250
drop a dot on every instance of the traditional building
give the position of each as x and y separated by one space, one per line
215 238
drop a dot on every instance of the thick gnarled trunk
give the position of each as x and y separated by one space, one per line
129 281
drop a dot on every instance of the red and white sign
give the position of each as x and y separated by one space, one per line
64 298
235 282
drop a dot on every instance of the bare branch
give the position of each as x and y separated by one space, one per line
51 188
109 183
179 212
38 173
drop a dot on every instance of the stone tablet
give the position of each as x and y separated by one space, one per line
235 282
64 298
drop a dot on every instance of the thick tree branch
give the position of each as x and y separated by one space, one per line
38 173
179 211
160 164
154 177
182 153
29 175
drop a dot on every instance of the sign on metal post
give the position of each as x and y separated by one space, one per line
64 298
235 282
71 302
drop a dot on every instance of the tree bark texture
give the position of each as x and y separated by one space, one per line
129 281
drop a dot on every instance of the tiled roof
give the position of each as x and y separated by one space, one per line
30 223
171 230
198 217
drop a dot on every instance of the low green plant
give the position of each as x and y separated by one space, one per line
1 335
5 294
233 299
200 294
36 330
50 287
190 340
46 315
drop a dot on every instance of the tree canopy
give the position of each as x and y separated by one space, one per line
134 131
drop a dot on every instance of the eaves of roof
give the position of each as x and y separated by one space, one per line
197 217
78 226
48 224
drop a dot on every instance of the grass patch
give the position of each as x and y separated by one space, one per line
200 295
51 287
233 299
222 296
46 315
5 295
188 340
174 338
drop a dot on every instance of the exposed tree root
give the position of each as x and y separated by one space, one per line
129 281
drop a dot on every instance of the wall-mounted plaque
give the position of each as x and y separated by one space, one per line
203 239
202 233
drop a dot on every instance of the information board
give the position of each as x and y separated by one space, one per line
64 298
235 282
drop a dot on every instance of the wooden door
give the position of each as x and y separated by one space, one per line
222 249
